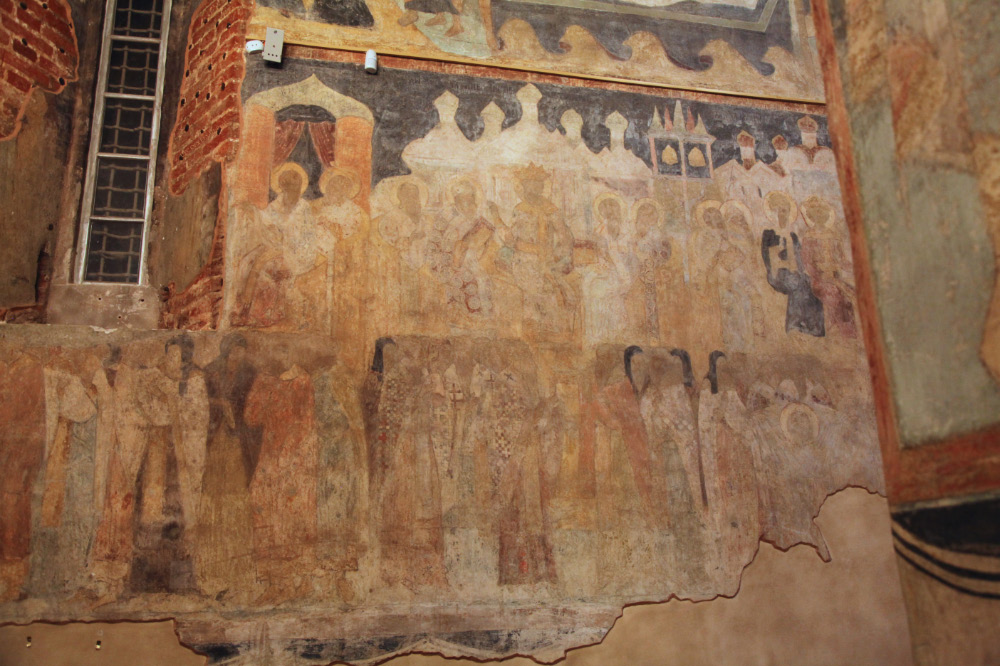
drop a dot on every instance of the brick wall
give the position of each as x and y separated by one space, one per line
37 50
208 113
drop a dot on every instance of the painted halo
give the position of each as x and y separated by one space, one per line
798 408
704 207
456 182
280 170
601 227
825 221
411 180
733 206
650 202
331 173
772 216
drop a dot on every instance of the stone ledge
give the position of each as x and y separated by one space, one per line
105 306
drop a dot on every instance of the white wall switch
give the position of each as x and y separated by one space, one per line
274 40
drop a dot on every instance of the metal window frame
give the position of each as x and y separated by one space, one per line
96 130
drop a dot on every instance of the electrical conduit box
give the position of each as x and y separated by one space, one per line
274 40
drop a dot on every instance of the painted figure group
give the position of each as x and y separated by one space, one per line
525 370
453 468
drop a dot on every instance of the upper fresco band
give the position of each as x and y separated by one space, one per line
758 48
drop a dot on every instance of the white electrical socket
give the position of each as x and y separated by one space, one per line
255 46
274 39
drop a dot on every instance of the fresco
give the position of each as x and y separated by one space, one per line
754 47
487 371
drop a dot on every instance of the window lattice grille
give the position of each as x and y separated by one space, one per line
128 125
115 251
133 68
121 187
138 18
122 158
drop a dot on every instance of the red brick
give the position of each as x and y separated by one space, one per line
24 51
34 72
44 48
28 19
62 27
217 32
56 71
59 40
62 10
18 81
219 140
16 27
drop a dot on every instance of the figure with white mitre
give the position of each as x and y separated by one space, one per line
812 167
744 179
809 155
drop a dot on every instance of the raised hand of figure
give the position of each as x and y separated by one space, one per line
770 239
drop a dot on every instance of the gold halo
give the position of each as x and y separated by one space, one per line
790 410
328 175
289 166
606 196
410 180
793 209
702 208
647 200
826 223
458 180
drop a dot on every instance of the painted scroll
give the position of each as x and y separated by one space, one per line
751 47
496 359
